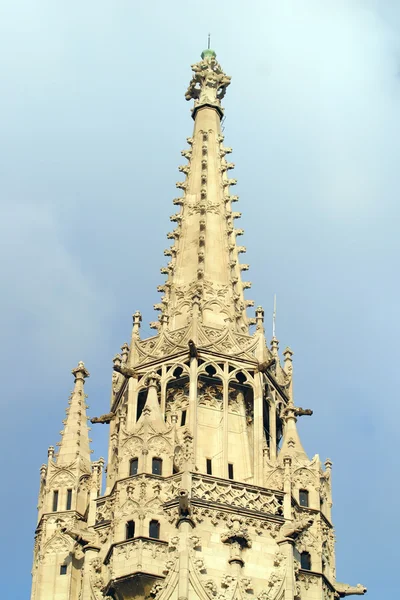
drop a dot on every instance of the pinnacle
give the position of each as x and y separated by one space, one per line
75 435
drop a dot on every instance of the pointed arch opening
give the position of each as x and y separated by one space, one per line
240 426
156 466
130 530
210 402
141 401
305 561
154 529
304 498
133 466
177 395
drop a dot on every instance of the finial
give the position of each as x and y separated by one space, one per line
288 353
209 39
208 84
152 379
80 372
124 352
136 319
260 318
117 360
274 317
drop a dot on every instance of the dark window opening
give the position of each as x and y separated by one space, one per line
156 466
230 470
279 429
55 500
211 371
141 401
63 569
183 418
209 466
178 372
68 504
266 424
154 530
303 497
130 530
133 466
305 561
241 377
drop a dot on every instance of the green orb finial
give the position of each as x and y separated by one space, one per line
208 54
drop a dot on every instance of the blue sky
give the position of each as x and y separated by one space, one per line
93 119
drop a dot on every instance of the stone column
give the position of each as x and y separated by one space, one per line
258 430
272 426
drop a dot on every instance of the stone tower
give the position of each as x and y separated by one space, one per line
209 492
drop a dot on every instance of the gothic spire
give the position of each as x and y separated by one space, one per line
204 273
75 435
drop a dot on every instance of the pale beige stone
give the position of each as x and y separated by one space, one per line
208 394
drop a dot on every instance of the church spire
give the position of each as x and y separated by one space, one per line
75 435
204 274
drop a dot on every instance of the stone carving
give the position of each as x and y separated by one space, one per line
236 495
306 579
210 396
203 207
276 579
292 529
185 509
238 538
209 82
103 418
96 579
58 543
343 589
62 478
157 589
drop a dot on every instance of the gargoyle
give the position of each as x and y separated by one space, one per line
293 529
343 589
104 418
124 370
81 537
185 509
192 349
299 412
264 366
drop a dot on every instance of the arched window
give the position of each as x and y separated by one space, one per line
156 466
305 561
130 530
183 418
133 466
68 503
154 529
55 500
303 498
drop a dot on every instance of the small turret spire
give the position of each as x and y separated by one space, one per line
75 435
291 443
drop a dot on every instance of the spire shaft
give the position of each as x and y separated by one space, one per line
205 267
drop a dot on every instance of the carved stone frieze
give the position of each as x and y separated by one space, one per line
236 495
